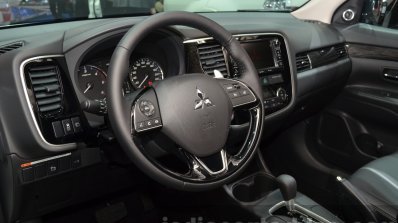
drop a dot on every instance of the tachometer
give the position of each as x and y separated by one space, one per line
92 81
144 72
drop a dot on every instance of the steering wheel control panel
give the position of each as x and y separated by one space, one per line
145 113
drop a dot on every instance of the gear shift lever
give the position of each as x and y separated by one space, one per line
288 187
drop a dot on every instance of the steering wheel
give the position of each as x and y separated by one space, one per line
192 110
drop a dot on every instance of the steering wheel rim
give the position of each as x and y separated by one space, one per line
119 110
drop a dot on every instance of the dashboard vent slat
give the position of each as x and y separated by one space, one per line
211 56
12 46
46 87
303 62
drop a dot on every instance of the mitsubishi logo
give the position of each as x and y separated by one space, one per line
203 100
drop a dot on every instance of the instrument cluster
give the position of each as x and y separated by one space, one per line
92 76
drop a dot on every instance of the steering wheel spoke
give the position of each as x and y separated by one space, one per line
208 167
240 95
145 113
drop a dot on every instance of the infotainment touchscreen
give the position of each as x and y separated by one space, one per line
261 54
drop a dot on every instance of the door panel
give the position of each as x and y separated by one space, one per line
362 122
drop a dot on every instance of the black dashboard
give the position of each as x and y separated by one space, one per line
58 73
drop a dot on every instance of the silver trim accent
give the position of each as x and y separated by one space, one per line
25 91
309 59
224 164
217 74
292 73
50 158
298 209
346 18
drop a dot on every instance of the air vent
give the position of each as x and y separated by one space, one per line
303 62
12 46
46 86
341 51
212 58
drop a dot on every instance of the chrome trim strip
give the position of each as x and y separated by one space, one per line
309 59
292 74
25 91
276 207
224 164
50 158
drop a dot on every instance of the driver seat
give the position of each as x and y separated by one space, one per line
377 184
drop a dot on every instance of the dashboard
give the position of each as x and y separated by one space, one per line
53 82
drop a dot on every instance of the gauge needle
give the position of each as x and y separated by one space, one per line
146 77
89 86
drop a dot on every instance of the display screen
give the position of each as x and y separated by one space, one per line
260 53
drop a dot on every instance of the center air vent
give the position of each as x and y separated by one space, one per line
46 86
12 46
212 58
303 62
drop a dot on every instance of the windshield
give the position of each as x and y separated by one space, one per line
14 12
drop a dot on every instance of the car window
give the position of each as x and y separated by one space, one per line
27 12
381 13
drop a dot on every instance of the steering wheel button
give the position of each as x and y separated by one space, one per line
244 92
141 125
229 87
234 94
147 108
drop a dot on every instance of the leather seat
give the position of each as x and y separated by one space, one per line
377 182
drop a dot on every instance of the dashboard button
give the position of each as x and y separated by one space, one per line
67 125
77 125
76 161
275 79
40 171
28 174
52 167
64 163
58 129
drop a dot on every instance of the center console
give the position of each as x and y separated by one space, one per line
269 55
276 200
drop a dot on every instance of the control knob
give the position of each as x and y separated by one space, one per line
282 94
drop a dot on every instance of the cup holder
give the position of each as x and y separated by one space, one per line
253 187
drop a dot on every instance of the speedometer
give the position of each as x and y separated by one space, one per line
144 72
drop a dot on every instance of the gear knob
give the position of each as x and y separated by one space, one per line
287 185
